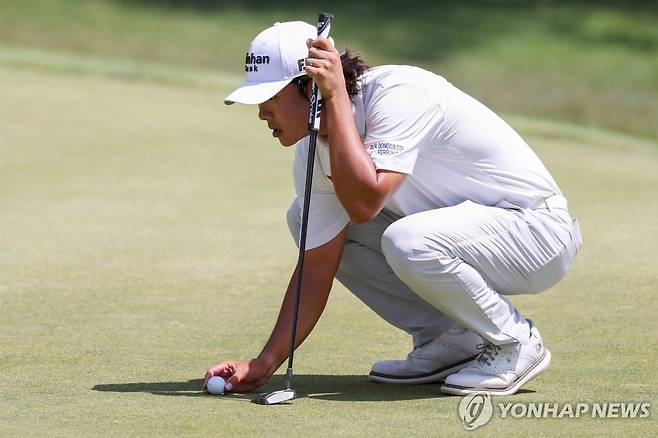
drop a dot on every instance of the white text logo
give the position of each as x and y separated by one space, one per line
574 410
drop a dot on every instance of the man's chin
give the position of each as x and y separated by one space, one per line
287 142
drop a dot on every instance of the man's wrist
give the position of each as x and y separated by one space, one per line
270 360
339 94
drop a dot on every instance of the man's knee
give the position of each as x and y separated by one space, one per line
409 252
399 243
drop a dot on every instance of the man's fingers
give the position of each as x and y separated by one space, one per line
205 381
323 43
224 369
317 63
316 53
234 382
311 71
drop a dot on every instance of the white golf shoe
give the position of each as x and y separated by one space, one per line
501 369
432 361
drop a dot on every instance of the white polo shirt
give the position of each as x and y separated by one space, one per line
451 147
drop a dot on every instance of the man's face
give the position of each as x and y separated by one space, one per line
286 115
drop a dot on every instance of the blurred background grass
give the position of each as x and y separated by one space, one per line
586 63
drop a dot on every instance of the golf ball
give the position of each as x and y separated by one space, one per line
216 385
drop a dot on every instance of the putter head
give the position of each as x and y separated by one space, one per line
276 397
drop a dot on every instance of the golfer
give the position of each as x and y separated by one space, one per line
425 204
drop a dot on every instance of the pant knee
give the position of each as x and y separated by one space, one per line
410 253
398 244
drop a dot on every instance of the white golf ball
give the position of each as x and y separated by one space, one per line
216 385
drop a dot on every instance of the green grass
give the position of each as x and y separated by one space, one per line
587 64
143 239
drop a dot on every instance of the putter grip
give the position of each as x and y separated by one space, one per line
324 26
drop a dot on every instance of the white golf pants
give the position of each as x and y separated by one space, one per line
424 272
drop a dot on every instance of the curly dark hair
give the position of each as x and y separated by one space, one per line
353 68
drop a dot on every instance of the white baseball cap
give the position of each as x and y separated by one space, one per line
275 57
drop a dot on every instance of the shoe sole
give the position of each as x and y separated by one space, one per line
435 376
533 371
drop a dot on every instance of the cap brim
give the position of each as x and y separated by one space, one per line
252 93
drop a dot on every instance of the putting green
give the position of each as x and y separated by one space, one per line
143 239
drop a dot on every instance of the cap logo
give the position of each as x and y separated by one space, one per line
251 61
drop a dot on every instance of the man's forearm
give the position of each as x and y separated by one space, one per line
362 190
353 173
316 288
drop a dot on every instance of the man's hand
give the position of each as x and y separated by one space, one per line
324 66
319 269
240 375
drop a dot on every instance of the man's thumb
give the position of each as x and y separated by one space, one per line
233 381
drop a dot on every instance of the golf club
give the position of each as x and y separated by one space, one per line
271 398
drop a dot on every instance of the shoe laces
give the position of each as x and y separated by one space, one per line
488 352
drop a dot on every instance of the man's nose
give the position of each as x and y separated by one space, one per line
262 112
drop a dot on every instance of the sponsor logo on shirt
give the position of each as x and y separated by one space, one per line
252 61
384 149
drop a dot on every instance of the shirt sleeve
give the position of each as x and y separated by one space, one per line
326 217
399 121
